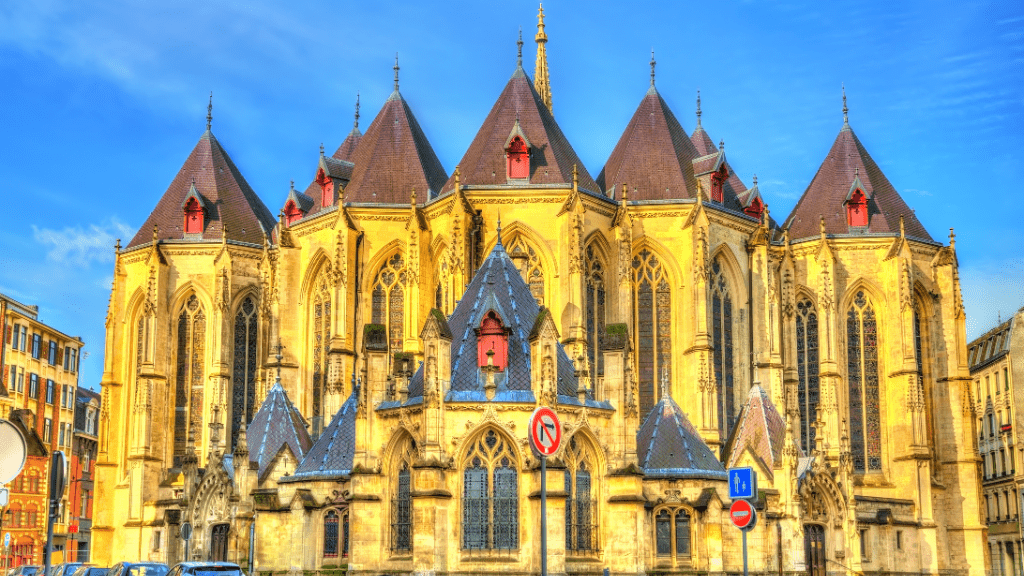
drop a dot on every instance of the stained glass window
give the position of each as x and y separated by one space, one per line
652 311
580 506
321 344
389 301
533 272
682 533
663 532
807 371
336 534
243 389
188 396
721 327
595 312
401 504
490 504
862 373
672 533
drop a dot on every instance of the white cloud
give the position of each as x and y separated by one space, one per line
80 247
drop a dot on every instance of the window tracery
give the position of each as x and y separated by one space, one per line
321 344
336 532
595 302
243 391
490 503
188 398
652 311
721 326
529 265
388 306
807 371
862 373
581 503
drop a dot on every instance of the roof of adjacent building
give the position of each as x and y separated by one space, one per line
330 458
551 155
230 202
668 446
393 158
991 345
276 425
761 429
847 161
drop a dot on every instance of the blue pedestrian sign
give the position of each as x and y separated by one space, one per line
742 484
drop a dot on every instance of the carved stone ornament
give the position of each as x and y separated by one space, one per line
701 256
826 300
788 292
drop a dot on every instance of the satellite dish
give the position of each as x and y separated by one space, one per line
13 451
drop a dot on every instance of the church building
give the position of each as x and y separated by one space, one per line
346 387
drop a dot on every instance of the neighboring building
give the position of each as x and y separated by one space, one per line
25 516
353 381
998 400
40 373
81 488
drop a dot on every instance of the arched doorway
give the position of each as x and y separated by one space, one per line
219 542
814 549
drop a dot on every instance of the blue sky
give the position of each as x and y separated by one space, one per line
102 100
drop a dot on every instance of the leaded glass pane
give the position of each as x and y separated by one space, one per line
663 533
475 508
188 397
582 506
807 371
506 509
645 349
853 370
403 513
872 412
663 312
243 396
862 372
331 534
396 316
595 297
653 314
682 533
344 535
568 511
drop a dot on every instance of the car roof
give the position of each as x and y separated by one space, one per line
208 564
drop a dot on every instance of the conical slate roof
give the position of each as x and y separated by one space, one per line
331 457
734 191
276 425
347 150
762 429
668 446
847 161
551 155
393 158
229 200
654 156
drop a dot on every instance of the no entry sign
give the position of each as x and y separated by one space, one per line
742 514
545 431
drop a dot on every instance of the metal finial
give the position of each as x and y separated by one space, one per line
355 125
499 228
396 71
721 145
698 108
519 45
209 111
664 382
653 64
321 148
846 116
755 179
293 184
278 348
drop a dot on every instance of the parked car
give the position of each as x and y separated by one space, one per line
90 571
65 568
206 569
26 570
138 569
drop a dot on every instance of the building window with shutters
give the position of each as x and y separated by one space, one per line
15 335
336 531
581 527
862 375
672 534
49 391
47 430
51 354
490 495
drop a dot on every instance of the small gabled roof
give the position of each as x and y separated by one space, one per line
230 202
517 130
761 429
551 155
668 446
334 168
854 186
733 187
194 194
846 161
393 158
654 156
331 457
301 200
276 425
747 198
708 164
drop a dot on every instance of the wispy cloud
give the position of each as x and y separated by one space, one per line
918 192
79 246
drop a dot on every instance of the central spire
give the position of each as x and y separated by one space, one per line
541 82
653 64
209 111
396 71
355 124
519 45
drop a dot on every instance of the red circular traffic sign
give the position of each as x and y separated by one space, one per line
545 431
742 514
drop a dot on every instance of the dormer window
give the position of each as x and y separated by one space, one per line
193 216
717 181
756 208
292 212
857 209
492 342
518 159
326 184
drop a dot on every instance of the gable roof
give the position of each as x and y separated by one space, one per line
393 158
331 457
276 425
654 156
761 429
228 199
668 446
551 155
824 196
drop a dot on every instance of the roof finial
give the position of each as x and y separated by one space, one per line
846 116
396 71
952 239
755 179
355 125
209 112
321 148
653 63
519 44
698 108
541 81
575 178
821 224
625 194
155 233
721 145
293 184
278 348
413 199
458 177
903 231
499 228
856 172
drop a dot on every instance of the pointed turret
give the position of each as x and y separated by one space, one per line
668 446
276 426
852 195
393 157
347 150
331 457
762 432
207 196
732 187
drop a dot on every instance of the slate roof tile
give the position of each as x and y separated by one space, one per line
276 425
668 446
331 457
762 429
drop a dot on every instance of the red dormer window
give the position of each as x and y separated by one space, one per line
857 209
492 337
326 188
756 208
193 217
717 180
291 212
518 158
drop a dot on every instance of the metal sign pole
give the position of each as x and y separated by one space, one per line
543 516
746 572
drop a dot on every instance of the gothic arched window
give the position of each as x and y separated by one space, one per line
490 495
672 533
807 371
581 502
529 266
862 373
595 302
924 377
652 311
189 382
321 344
336 534
721 339
243 388
444 281
401 504
388 306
